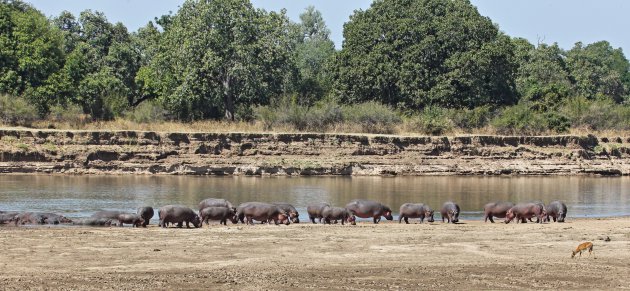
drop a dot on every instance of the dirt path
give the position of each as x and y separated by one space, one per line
473 255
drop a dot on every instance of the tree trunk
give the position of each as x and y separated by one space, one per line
228 99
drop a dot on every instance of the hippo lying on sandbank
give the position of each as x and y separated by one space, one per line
415 210
264 212
369 209
93 222
39 218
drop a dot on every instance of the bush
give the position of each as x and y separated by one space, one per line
597 114
71 114
520 120
16 111
372 117
432 121
469 119
146 112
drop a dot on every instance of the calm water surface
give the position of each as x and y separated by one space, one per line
79 196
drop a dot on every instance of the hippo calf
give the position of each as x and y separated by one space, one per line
222 214
146 213
337 213
315 211
93 222
178 214
556 210
288 208
264 212
415 210
127 218
450 212
496 209
369 209
524 211
215 202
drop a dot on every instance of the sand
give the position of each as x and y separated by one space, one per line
471 255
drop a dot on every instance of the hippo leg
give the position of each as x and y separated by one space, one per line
311 218
490 217
377 219
406 220
180 225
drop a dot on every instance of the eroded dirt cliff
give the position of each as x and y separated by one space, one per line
136 152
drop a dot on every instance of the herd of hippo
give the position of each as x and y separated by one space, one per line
283 213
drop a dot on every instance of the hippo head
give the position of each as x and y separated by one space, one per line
196 221
294 217
509 216
387 213
454 216
561 216
234 219
139 222
283 218
352 219
429 215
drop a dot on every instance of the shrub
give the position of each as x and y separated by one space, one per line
597 114
372 117
16 111
469 119
432 121
71 114
267 115
519 119
146 112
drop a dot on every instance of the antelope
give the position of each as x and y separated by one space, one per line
582 247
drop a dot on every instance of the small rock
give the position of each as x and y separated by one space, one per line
157 250
607 239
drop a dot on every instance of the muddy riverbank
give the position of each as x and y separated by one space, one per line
137 152
472 255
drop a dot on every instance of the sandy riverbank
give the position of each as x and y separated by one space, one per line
472 255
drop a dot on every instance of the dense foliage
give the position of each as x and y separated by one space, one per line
432 65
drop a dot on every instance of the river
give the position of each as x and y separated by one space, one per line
79 196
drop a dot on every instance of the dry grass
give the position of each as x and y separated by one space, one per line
258 127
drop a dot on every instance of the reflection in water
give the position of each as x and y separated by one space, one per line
79 196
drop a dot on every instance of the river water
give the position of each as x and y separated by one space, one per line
79 196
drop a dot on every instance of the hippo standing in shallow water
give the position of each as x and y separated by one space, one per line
315 211
293 213
496 209
450 211
337 213
146 213
557 210
369 209
264 212
524 211
415 210
178 214
222 214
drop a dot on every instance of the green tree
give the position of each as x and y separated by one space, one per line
599 71
313 51
216 56
417 53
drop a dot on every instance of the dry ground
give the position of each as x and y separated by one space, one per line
472 255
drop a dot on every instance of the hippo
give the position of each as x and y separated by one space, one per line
52 218
39 218
178 214
524 211
315 211
262 212
93 222
127 218
450 211
415 210
337 213
218 213
146 213
215 202
369 209
7 217
293 213
496 209
557 210
110 214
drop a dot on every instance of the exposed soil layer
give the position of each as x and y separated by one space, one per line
471 255
136 152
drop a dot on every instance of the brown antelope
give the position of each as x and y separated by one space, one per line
582 247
